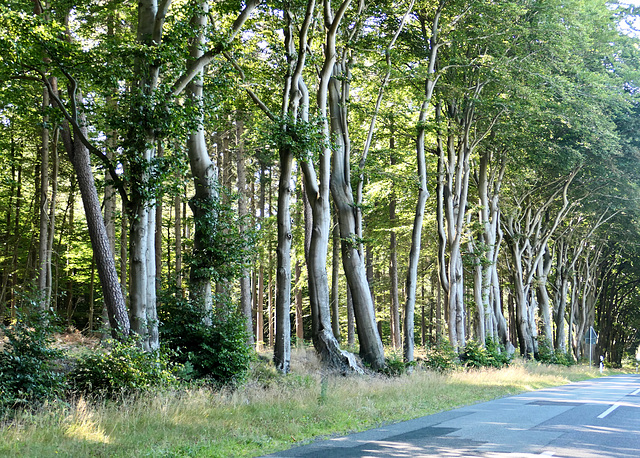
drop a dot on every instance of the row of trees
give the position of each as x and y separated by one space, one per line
481 154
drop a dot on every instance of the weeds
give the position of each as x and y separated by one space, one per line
269 413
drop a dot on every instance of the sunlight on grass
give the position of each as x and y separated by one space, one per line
82 425
267 414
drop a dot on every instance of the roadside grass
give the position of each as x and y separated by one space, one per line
269 413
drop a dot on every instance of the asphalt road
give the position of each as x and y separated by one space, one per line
594 418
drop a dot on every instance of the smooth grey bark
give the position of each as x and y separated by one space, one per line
205 178
317 190
454 160
245 275
291 97
142 291
52 215
423 193
396 340
44 265
544 304
528 230
335 282
490 319
282 350
371 349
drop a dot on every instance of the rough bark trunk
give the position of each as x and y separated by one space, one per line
114 299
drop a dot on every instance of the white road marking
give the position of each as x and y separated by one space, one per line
609 410
636 392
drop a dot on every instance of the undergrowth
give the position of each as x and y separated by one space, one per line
269 412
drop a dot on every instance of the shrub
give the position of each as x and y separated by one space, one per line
491 355
217 352
548 355
396 366
497 356
29 369
123 369
440 358
474 355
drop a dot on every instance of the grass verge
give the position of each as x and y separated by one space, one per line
270 413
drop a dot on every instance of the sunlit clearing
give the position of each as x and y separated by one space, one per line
82 425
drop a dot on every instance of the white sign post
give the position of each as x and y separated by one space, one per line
591 339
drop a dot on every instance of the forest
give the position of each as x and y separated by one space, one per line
372 178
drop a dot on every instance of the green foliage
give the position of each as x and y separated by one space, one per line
546 354
29 373
303 138
441 358
226 241
123 369
491 355
396 366
217 352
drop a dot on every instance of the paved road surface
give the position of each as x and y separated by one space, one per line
590 419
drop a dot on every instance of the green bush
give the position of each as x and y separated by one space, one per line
123 369
217 352
440 358
29 369
546 354
491 355
396 366
497 356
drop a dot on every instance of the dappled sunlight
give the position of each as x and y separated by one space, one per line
82 425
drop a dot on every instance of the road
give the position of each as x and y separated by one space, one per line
595 418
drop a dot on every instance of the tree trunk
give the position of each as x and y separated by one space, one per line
416 240
335 282
245 275
114 300
205 178
44 266
371 349
282 350
393 266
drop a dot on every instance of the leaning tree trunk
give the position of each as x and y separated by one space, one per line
113 297
371 349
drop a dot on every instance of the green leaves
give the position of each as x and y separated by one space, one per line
304 139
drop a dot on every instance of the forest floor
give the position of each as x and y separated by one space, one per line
268 413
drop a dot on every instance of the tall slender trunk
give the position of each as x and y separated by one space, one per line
205 177
335 282
282 350
245 275
177 233
396 340
44 267
52 215
416 238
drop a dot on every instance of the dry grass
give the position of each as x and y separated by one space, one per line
268 414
